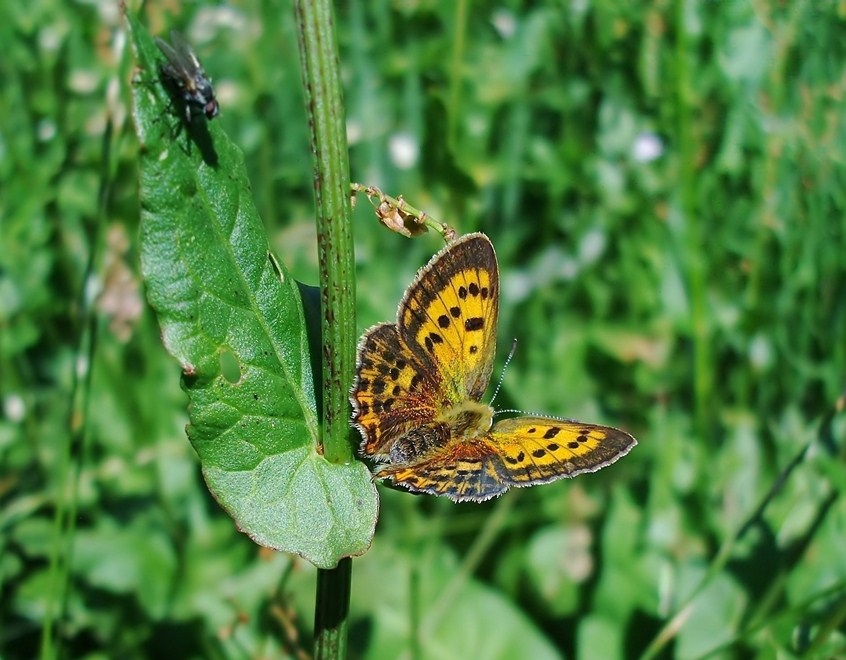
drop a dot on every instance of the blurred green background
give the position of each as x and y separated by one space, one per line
665 185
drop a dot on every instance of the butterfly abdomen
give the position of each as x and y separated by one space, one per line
418 442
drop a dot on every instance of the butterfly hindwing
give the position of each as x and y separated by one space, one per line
467 471
537 450
523 451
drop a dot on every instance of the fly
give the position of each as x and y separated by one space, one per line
185 73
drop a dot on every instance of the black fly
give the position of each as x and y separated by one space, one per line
185 73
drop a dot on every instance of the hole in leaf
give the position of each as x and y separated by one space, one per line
275 265
230 366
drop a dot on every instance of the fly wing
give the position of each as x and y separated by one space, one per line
186 53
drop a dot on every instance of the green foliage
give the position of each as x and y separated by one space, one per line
232 316
665 190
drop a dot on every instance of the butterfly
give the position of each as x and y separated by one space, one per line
186 75
419 383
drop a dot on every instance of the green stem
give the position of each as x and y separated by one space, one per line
332 609
456 78
692 235
74 454
324 103
321 74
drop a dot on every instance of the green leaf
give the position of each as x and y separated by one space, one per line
131 558
715 614
558 561
471 620
234 318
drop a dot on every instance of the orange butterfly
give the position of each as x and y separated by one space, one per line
419 383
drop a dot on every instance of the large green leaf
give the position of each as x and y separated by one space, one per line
458 618
234 318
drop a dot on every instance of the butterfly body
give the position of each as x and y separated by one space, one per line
419 383
454 423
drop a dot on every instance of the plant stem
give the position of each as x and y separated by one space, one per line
456 79
691 227
324 103
332 609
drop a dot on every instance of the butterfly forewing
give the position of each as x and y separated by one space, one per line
450 314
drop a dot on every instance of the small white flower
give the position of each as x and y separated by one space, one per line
647 147
760 352
46 130
14 408
404 150
504 23
354 131
591 246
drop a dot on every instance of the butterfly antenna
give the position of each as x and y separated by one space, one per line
509 410
504 367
